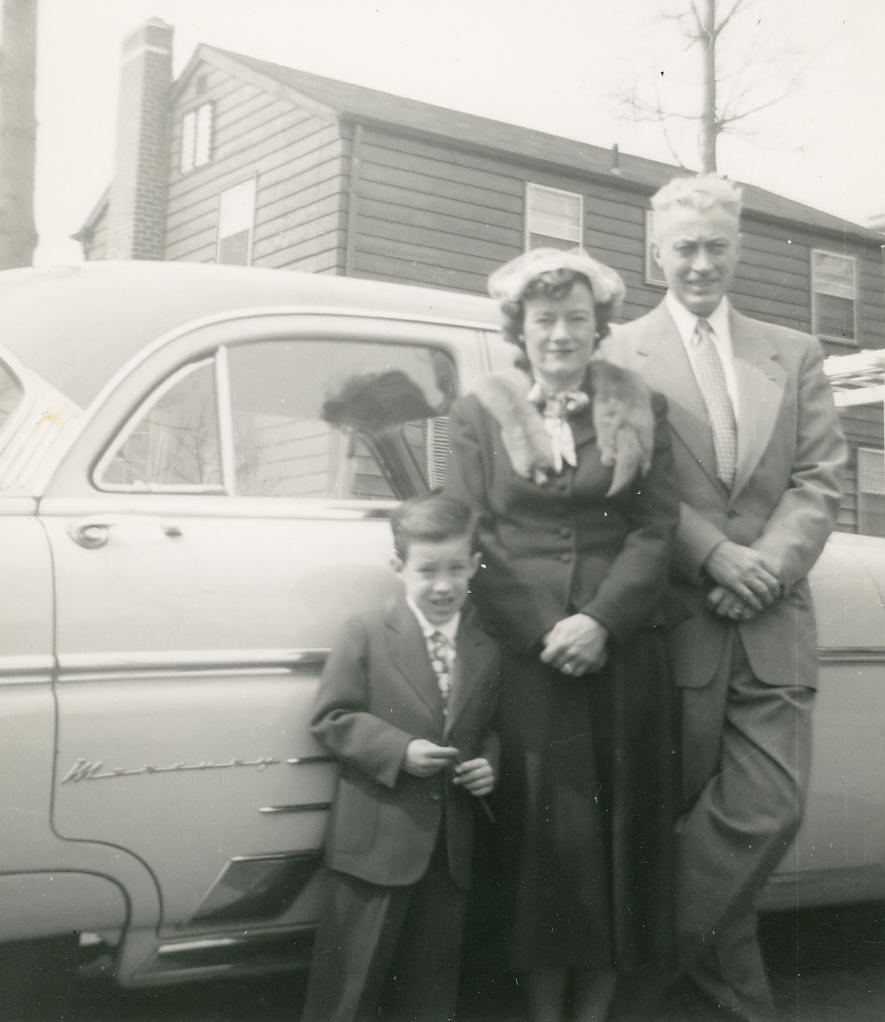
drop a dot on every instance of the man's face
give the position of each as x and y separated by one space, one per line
697 252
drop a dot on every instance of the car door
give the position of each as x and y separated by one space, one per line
222 512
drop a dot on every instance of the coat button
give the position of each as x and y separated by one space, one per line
565 558
435 796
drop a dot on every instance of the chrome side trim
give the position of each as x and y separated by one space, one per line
30 669
214 662
851 654
307 807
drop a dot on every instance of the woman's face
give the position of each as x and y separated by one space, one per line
559 336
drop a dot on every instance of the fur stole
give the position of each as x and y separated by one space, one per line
622 417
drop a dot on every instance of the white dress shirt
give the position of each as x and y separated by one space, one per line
686 323
448 628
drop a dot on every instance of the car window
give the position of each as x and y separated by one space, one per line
10 394
299 418
338 419
173 443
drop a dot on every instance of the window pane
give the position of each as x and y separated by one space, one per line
653 273
833 274
234 250
871 491
553 214
545 241
203 142
236 209
834 316
339 419
188 132
174 443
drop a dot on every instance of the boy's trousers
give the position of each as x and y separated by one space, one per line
397 947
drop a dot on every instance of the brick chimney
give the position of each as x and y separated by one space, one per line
137 199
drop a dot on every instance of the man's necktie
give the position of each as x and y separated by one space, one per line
440 650
711 378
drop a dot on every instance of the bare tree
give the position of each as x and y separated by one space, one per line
18 130
737 76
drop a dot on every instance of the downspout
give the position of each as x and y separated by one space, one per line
353 194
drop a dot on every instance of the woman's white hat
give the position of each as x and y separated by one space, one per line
508 283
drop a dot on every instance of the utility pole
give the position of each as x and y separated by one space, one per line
18 131
709 129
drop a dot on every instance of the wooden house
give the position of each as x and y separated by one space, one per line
241 160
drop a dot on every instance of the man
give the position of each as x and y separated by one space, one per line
758 454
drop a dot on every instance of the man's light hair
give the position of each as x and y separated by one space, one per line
701 193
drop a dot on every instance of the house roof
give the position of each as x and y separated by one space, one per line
360 103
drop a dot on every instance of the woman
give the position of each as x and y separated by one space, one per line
567 458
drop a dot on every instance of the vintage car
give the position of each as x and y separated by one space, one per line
196 466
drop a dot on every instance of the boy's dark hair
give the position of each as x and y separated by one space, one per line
431 518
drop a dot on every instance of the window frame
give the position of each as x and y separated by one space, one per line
878 453
528 232
219 238
191 158
651 266
407 473
848 341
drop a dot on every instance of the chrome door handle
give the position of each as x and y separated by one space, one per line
95 533
90 535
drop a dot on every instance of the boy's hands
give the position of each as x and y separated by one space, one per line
424 758
476 775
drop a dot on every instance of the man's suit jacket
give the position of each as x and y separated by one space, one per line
378 692
786 490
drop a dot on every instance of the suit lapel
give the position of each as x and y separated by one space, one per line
471 663
760 385
408 653
665 366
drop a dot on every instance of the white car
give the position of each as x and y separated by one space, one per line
196 466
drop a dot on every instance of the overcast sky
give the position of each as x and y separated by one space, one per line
557 65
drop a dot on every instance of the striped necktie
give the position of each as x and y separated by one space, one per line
714 389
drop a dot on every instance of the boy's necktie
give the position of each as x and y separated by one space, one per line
440 650
714 389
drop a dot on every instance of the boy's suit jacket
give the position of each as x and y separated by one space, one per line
378 692
786 491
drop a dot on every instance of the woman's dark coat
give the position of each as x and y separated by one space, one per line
590 764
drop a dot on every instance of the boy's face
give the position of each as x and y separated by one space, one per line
437 574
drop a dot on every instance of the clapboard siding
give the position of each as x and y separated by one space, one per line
299 164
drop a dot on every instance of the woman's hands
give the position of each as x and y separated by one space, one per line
576 645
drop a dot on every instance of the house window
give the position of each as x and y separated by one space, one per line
653 273
870 491
553 218
833 295
236 218
196 137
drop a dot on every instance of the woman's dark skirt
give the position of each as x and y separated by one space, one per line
588 801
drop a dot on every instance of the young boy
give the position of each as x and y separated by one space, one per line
406 704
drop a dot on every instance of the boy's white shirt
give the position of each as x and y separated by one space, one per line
448 628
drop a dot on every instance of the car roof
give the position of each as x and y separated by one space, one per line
77 325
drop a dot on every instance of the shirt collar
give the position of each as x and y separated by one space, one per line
448 628
686 321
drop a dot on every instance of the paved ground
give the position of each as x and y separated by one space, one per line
827 966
